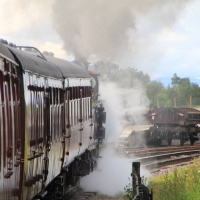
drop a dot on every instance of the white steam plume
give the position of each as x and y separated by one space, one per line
119 102
114 171
112 175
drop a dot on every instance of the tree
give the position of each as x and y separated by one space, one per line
154 88
181 88
124 77
175 80
105 68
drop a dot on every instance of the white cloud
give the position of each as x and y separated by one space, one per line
168 35
195 52
51 47
28 23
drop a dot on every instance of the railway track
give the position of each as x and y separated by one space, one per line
156 159
152 150
85 195
79 194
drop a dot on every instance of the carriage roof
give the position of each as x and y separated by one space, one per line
69 69
5 53
47 66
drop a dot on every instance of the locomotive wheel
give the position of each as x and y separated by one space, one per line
169 141
181 139
192 141
159 142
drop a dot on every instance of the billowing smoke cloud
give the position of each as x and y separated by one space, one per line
126 32
112 29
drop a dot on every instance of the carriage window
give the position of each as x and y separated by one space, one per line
78 110
84 109
66 116
75 112
70 120
87 108
51 123
61 121
72 112
0 130
78 106
1 134
1 65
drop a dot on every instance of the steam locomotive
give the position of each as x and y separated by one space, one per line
51 123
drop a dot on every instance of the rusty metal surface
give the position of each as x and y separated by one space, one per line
172 115
127 130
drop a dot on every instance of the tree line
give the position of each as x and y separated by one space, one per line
181 91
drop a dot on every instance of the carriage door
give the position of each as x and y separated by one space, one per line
10 138
37 100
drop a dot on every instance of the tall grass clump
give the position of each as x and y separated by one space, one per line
180 184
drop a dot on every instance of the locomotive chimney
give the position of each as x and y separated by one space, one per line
82 62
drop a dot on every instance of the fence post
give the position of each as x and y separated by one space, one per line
174 101
190 100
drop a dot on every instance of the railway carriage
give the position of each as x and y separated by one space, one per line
50 127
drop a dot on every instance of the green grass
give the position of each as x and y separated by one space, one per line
181 184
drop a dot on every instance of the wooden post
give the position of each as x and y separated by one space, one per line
190 100
174 101
158 103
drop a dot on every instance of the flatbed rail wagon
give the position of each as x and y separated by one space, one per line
174 123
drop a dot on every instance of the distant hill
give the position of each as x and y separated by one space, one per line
167 81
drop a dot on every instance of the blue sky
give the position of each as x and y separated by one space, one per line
159 51
175 49
181 45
